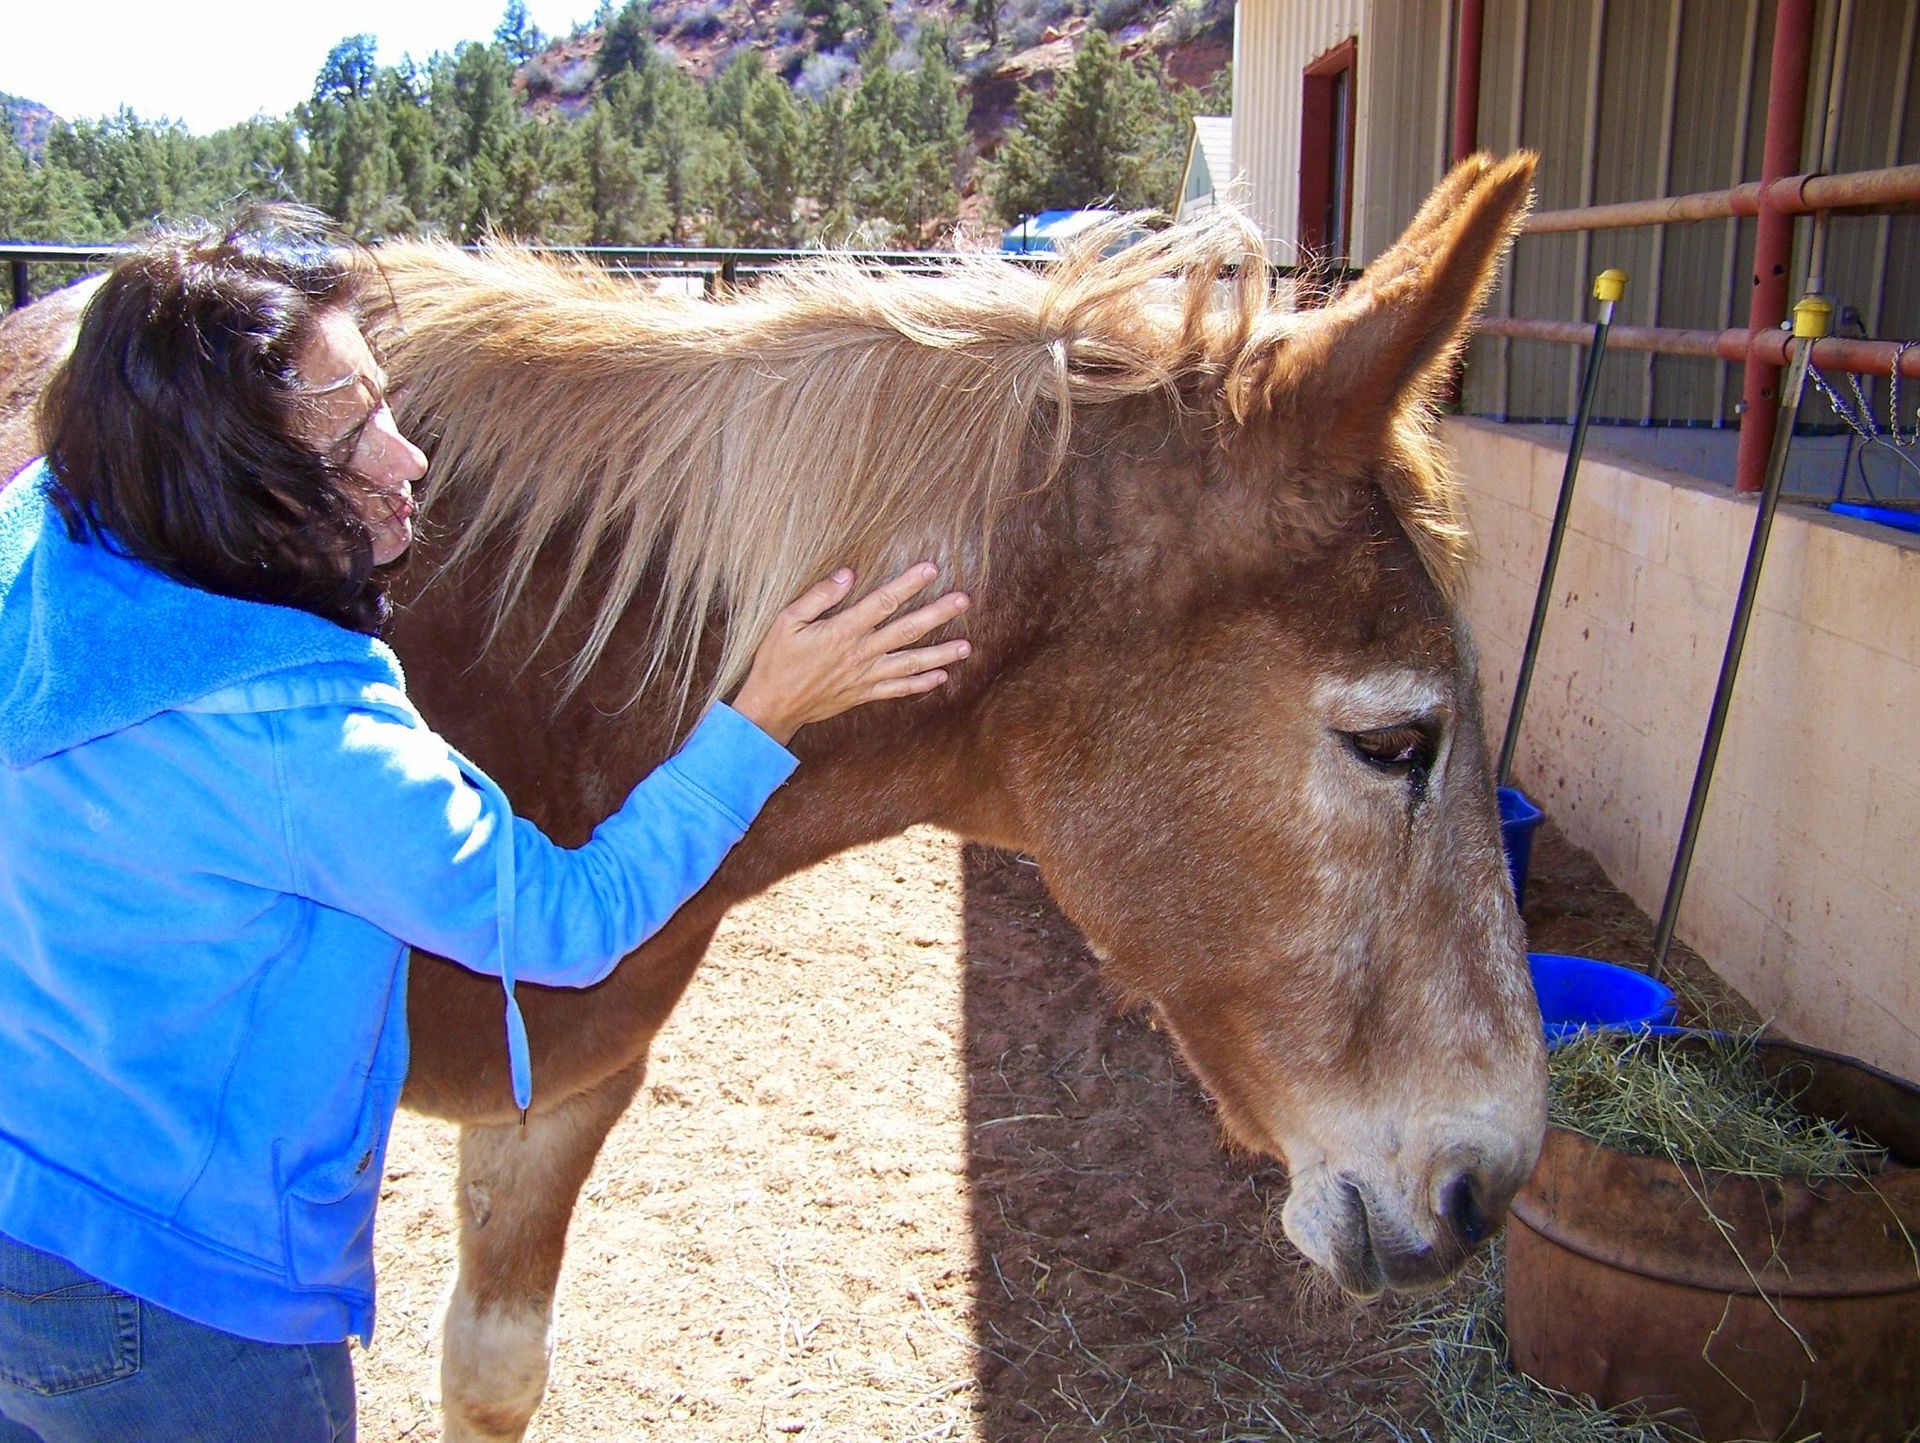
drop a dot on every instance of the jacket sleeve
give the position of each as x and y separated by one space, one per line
387 822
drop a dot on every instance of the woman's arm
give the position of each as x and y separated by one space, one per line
385 821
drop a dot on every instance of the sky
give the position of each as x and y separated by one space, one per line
211 65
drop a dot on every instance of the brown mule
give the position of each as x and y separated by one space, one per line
1219 692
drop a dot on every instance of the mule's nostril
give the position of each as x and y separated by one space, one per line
1461 1204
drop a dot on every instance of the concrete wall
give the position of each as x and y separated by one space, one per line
1805 889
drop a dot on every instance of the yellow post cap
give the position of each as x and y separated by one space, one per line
1609 285
1812 318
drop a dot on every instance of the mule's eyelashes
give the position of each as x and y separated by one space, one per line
1405 750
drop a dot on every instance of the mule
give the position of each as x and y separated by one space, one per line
1221 692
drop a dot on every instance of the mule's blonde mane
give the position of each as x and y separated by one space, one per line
732 452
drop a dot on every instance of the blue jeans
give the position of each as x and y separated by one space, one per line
80 1361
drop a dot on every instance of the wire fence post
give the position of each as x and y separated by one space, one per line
1608 287
1811 319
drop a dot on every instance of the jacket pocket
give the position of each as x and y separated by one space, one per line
328 1209
60 1329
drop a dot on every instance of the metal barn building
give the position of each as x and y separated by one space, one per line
1347 111
1690 143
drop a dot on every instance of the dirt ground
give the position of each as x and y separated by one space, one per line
902 1172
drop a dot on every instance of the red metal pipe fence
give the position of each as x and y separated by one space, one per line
1789 195
1773 245
1466 79
1782 192
1835 353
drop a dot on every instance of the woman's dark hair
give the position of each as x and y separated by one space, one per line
171 429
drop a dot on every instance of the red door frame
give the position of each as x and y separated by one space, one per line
1316 149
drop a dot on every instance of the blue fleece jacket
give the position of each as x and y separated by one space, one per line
222 824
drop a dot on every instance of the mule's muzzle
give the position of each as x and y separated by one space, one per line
1376 1249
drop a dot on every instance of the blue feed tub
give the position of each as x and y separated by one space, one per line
1518 818
1578 992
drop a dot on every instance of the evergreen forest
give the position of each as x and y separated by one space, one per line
849 127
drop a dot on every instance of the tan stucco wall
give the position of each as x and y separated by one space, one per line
1805 889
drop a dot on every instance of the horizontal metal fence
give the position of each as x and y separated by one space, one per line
712 266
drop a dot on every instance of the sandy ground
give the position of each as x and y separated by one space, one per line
901 1172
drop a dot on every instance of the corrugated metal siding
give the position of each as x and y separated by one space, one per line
1633 145
1899 248
1873 262
1694 116
1274 41
1554 39
1502 94
1406 91
1720 100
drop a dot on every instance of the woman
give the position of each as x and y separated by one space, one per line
222 825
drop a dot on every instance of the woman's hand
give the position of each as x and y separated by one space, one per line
808 669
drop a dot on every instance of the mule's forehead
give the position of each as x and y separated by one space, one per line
1382 697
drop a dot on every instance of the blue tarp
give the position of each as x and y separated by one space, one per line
1043 232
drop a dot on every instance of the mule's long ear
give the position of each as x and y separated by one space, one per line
1436 212
1344 373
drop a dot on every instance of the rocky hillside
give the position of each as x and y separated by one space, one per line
29 122
1030 42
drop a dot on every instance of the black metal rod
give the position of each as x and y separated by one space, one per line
1736 643
22 287
1543 595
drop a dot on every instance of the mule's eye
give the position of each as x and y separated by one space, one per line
1407 750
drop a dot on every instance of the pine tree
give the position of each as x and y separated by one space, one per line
517 36
837 146
770 136
59 208
987 13
627 41
676 148
13 186
911 128
623 202
417 176
1088 143
729 91
728 182
542 186
348 71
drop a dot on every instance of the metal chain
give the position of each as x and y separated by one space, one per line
1865 429
1893 400
1862 419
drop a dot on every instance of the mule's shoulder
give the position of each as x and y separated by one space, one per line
34 340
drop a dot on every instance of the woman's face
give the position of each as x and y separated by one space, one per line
349 421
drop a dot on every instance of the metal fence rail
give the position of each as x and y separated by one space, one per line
1783 192
715 266
1835 353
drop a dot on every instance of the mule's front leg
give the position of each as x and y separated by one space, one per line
516 1194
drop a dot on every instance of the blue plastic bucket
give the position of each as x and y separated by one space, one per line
1518 818
1578 992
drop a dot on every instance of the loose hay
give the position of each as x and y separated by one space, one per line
1475 1396
1704 1105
